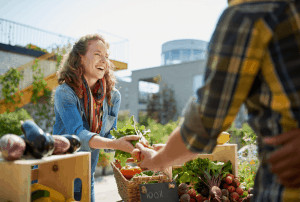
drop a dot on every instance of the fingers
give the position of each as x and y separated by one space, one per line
290 178
285 165
140 146
283 138
281 154
157 147
289 174
132 137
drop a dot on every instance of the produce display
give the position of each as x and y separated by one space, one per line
206 180
61 144
36 143
199 180
12 147
74 143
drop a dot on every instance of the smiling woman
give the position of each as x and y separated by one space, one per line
86 102
95 62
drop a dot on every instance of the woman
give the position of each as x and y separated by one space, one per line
86 103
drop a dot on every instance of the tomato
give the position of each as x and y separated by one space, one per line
128 172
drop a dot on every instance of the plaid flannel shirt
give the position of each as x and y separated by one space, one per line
253 58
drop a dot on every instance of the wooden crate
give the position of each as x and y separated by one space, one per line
56 171
225 152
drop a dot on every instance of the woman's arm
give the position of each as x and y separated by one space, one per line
123 143
65 104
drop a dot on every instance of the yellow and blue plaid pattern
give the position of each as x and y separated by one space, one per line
254 58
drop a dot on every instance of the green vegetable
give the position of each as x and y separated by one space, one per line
129 129
203 168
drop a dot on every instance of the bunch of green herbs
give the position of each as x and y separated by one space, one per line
191 171
130 128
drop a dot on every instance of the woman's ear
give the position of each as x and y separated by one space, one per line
82 59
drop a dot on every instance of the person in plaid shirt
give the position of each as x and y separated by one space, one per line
253 58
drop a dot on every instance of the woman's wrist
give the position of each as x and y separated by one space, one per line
110 144
97 142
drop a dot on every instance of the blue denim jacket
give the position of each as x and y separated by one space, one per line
70 119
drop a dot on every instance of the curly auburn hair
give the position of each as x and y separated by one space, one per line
72 69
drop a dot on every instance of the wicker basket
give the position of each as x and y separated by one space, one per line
129 189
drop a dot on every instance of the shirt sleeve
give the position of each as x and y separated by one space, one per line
115 111
234 55
65 104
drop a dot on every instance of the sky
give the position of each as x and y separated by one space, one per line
142 25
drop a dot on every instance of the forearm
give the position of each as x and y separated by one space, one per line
98 142
175 151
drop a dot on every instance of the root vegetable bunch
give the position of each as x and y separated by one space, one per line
186 193
232 189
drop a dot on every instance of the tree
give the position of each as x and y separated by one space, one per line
162 106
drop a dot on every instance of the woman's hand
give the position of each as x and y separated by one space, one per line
124 143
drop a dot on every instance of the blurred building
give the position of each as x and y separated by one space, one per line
183 50
182 71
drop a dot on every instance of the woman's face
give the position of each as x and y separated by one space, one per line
95 61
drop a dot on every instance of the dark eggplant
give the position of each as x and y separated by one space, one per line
40 144
74 143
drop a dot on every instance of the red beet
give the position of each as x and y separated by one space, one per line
225 192
239 190
236 182
199 198
235 196
231 189
225 199
192 193
182 189
215 192
231 175
228 179
185 198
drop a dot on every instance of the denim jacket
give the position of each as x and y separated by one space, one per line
70 118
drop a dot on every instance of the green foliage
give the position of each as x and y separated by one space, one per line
10 122
130 128
162 106
247 172
34 47
104 158
244 135
58 60
159 132
39 84
192 170
10 82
